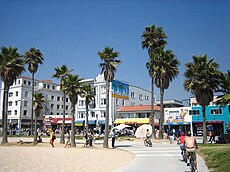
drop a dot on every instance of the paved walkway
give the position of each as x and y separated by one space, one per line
162 157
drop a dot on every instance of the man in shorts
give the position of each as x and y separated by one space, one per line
191 146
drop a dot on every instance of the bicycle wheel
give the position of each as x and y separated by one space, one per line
192 166
146 143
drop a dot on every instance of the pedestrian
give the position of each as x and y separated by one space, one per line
68 143
113 138
52 137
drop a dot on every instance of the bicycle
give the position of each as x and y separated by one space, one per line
191 161
183 153
148 143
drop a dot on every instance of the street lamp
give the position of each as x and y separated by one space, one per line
20 115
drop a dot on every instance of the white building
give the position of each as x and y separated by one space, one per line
121 94
20 104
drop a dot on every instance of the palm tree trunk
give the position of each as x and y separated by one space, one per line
5 104
106 136
32 110
204 125
161 113
152 110
35 127
73 143
62 140
87 116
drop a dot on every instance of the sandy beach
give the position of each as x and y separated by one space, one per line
43 157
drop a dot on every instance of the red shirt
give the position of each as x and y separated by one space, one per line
182 139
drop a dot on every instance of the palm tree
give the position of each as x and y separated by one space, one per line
61 73
37 104
72 87
108 68
89 94
33 58
165 70
152 38
11 66
203 78
224 99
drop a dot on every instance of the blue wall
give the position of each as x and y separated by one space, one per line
225 116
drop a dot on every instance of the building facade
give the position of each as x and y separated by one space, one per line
20 102
120 94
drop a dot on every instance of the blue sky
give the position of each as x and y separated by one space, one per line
72 32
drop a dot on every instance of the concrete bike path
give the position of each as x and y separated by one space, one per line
162 157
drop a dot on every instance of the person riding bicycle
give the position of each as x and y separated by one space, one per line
191 146
148 134
181 142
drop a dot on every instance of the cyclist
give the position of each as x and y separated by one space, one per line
191 146
181 142
148 134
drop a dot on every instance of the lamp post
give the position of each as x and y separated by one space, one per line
20 115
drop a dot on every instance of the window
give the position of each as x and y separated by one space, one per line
93 114
25 103
52 97
15 112
80 114
53 87
216 111
10 103
24 82
123 102
103 114
103 101
66 99
26 94
58 98
117 102
10 94
44 86
29 83
25 113
52 106
133 95
146 97
19 82
81 102
140 96
67 107
58 113
9 112
16 93
58 106
194 112
16 103
48 86
103 89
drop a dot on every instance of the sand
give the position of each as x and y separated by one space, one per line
42 157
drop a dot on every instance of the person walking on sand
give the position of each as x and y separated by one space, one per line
113 138
52 137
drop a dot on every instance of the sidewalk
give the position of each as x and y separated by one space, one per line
162 157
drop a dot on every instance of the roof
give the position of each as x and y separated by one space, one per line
138 108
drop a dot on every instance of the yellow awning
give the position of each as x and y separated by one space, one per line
78 125
132 121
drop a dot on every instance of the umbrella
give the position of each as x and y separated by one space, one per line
142 130
121 126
